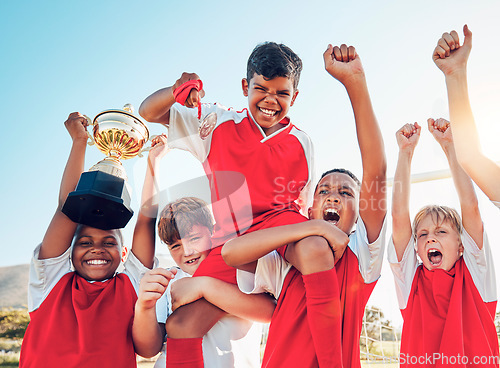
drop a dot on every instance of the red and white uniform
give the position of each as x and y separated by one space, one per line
77 323
448 315
231 342
255 180
290 342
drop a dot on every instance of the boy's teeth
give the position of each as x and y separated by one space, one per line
97 261
434 256
267 112
331 214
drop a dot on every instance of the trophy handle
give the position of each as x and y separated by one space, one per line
91 140
146 149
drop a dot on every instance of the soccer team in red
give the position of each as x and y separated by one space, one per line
282 248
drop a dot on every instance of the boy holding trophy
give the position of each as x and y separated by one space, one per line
81 310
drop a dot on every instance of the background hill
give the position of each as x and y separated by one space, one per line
14 286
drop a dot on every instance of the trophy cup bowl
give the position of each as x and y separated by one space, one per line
102 196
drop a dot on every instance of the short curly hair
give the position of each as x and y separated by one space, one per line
341 171
178 218
272 60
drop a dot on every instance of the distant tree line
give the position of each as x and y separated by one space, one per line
13 323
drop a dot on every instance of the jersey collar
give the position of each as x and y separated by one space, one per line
267 137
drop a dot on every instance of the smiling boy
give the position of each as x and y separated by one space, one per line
195 249
448 298
258 163
93 265
268 112
82 317
185 226
247 156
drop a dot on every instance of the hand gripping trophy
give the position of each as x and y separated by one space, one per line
102 197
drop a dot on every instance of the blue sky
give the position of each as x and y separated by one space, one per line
59 57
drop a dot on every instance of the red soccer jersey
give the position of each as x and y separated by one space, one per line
447 323
290 342
354 294
252 177
256 181
448 315
82 324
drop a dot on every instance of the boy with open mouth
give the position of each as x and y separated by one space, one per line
350 216
448 298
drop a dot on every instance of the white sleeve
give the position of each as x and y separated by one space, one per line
269 275
306 194
479 262
164 304
135 270
496 203
403 271
44 275
184 128
304 201
370 256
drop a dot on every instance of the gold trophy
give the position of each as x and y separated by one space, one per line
102 196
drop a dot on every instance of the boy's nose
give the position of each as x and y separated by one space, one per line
188 251
97 248
333 198
271 97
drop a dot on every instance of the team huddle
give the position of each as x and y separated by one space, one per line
303 257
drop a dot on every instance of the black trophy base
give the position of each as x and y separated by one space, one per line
100 200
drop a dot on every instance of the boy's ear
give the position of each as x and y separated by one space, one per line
244 87
124 253
294 97
309 210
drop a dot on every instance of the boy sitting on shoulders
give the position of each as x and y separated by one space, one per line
345 212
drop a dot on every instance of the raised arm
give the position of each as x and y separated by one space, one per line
156 107
147 333
244 251
407 138
451 59
60 232
254 307
471 218
344 64
143 243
